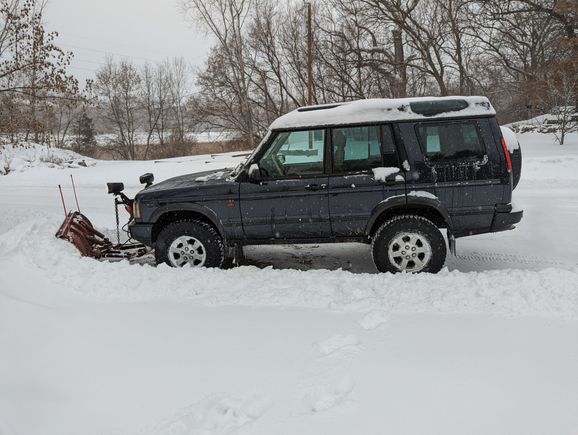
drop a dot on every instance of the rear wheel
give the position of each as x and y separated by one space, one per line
189 244
409 243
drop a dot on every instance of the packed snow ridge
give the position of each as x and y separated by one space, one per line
500 292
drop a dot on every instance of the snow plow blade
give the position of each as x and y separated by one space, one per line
78 230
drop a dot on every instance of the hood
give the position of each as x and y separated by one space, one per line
198 184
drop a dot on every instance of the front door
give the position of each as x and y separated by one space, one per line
365 172
291 200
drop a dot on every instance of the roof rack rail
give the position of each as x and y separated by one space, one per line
318 107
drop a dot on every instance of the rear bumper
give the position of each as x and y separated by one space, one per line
505 219
141 232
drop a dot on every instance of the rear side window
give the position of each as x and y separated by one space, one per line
451 141
356 149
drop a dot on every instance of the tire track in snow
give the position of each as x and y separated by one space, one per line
494 257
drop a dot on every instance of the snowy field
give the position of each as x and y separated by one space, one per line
303 339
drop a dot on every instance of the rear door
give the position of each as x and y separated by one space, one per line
291 201
361 157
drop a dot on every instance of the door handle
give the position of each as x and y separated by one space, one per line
315 186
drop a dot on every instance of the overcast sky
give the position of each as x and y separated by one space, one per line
139 30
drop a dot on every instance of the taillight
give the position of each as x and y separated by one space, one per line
507 154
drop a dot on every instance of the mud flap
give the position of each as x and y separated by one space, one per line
239 256
452 244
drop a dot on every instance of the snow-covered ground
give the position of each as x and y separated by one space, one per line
282 345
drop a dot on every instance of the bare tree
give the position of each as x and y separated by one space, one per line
560 101
118 86
226 21
377 48
162 79
178 82
33 69
150 96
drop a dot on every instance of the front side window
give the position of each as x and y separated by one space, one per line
450 141
356 149
295 153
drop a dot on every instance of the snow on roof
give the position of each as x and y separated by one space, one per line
383 110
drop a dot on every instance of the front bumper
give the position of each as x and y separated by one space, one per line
141 232
505 218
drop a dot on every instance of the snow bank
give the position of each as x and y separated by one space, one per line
547 123
548 292
549 165
19 158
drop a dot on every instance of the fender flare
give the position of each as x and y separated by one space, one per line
192 207
408 202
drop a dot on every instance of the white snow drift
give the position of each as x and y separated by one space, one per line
18 158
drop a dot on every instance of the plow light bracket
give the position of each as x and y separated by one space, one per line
115 188
147 179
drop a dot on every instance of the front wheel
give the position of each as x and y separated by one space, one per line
409 243
191 243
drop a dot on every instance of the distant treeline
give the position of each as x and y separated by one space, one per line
522 54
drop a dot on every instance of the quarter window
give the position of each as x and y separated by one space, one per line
450 141
295 153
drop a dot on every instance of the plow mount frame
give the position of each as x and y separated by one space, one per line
78 230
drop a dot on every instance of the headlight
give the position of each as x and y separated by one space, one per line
136 210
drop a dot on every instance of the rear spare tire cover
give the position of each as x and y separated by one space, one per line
515 153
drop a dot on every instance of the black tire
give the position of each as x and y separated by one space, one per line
396 227
205 233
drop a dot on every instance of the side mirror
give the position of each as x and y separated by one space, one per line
147 179
254 173
115 188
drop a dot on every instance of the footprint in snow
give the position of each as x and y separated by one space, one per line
338 343
215 415
374 319
330 398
